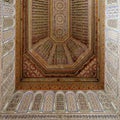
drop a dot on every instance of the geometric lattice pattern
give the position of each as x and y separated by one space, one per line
93 97
71 102
48 102
37 102
60 102
25 102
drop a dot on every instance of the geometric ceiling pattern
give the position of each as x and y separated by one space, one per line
59 41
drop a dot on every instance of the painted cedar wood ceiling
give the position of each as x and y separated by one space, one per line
60 40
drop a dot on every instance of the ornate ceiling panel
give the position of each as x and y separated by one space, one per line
60 39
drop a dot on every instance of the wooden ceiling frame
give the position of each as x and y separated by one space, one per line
22 84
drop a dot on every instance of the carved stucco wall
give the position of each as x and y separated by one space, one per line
0 43
112 46
7 44
7 52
